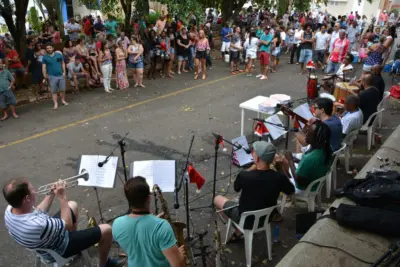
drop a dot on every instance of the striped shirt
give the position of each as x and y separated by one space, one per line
37 230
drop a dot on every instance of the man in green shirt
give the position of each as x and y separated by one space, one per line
7 98
317 160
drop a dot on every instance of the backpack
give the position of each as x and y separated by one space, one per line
378 190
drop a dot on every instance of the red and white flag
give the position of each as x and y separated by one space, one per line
195 177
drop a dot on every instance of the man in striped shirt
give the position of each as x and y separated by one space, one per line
32 228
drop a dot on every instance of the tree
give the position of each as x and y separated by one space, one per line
17 28
231 8
34 19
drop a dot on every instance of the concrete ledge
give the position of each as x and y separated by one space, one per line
326 232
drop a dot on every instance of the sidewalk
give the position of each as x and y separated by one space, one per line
351 245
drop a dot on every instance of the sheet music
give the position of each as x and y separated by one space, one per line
303 111
160 172
144 169
241 156
98 176
164 174
275 131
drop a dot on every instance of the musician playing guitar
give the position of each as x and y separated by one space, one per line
316 162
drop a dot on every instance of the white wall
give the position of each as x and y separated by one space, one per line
344 7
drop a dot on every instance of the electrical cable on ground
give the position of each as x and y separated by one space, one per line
336 248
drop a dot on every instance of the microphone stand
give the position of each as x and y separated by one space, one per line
178 188
218 140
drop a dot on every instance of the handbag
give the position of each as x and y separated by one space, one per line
362 53
395 91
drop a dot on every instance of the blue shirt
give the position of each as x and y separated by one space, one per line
335 125
53 64
144 239
5 79
266 38
224 32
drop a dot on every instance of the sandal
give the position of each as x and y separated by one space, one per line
235 238
233 73
240 71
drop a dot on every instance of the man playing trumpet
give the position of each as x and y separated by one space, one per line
33 228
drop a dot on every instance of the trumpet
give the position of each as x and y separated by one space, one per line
69 182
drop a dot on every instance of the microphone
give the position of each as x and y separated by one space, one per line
100 164
239 146
176 199
258 119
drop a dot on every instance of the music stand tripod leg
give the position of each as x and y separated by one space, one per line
102 220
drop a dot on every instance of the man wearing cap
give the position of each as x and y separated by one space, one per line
260 187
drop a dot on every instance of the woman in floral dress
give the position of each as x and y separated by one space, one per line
122 78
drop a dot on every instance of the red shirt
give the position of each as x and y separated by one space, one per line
14 65
339 50
98 45
87 28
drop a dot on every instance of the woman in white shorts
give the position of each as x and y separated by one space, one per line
251 45
276 50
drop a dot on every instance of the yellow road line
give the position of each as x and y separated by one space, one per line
57 129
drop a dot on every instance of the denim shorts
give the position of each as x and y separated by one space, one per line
181 58
172 50
57 83
136 65
305 55
7 98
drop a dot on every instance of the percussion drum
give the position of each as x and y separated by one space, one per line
342 90
312 87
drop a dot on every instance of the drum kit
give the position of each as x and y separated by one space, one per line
337 92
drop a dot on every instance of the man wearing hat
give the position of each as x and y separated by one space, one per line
260 187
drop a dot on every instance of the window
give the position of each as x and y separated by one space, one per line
333 3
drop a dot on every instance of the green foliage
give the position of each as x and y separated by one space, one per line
183 8
90 4
301 5
152 17
395 11
33 19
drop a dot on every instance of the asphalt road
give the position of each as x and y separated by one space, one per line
45 145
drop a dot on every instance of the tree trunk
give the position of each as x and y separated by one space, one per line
54 9
127 8
231 8
17 30
142 6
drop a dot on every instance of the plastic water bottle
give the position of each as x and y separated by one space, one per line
276 234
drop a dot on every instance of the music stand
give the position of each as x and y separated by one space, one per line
218 139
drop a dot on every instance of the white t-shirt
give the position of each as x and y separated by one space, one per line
235 40
344 68
352 121
297 36
251 47
321 18
334 36
321 40
352 33
73 36
283 36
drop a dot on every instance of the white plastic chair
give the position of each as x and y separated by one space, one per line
333 172
348 151
248 234
381 105
371 129
59 261
307 195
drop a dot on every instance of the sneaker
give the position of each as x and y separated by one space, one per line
111 262
249 75
264 77
259 75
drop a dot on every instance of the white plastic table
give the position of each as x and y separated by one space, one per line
252 104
